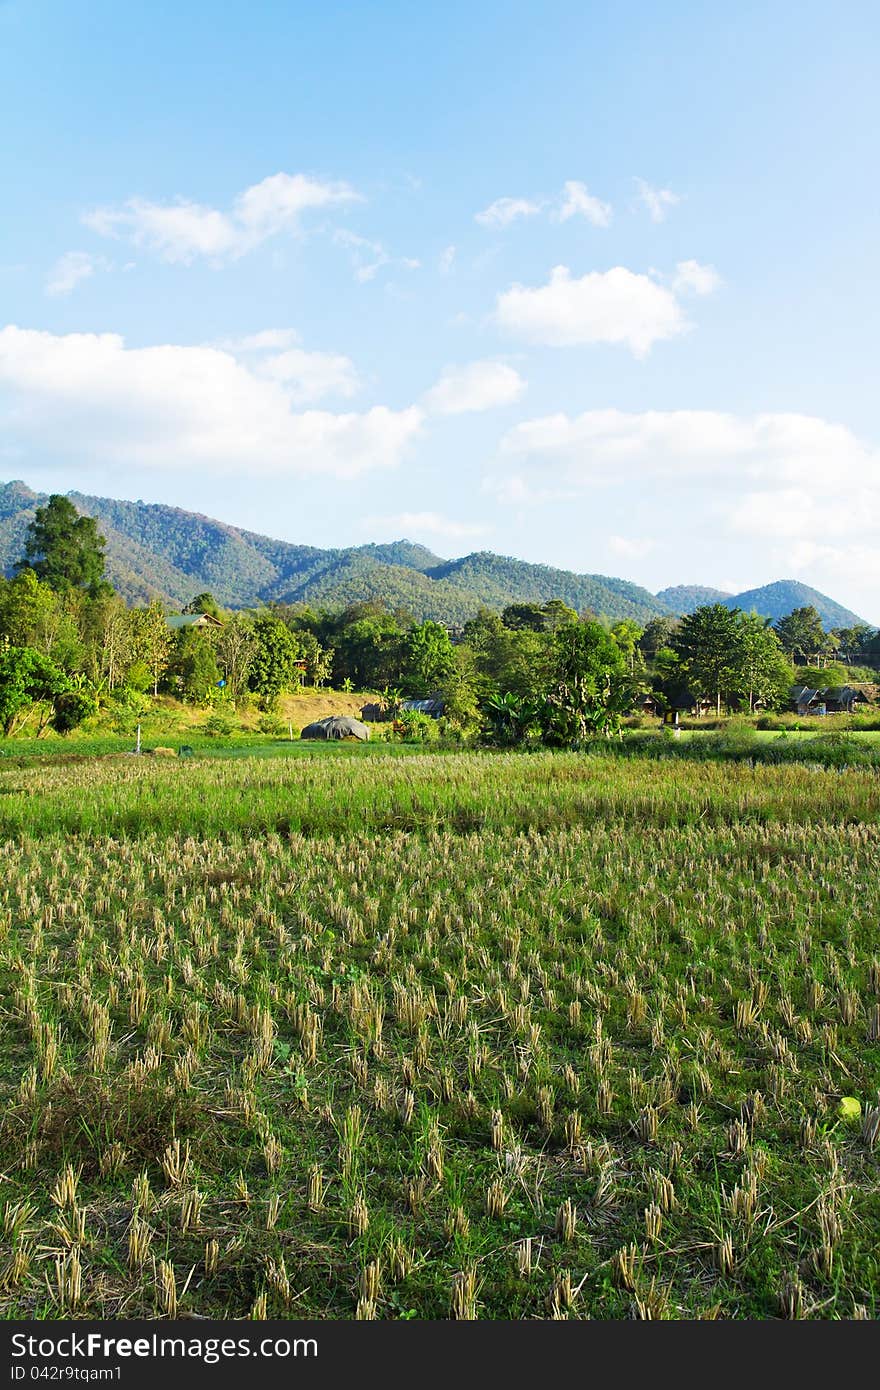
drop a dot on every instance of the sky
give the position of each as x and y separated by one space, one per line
593 285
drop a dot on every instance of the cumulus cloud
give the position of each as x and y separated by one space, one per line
477 386
798 485
658 201
577 201
310 376
91 398
506 210
70 270
613 306
693 445
423 523
447 258
182 231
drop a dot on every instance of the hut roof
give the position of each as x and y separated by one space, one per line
336 726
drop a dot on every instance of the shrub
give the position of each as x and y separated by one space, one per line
217 726
418 727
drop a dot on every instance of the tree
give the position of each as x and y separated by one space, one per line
27 678
273 662
430 658
318 659
204 603
192 669
151 640
658 633
626 634
517 616
590 689
763 673
538 617
34 615
235 644
802 634
706 642
64 548
370 650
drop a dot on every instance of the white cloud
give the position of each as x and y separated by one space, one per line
260 342
794 483
574 201
310 376
506 210
182 231
70 270
423 523
89 397
691 277
447 257
697 446
614 306
578 202
658 201
477 386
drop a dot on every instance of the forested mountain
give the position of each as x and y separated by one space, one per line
785 595
686 598
155 551
167 553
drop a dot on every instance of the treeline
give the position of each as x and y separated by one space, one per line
69 645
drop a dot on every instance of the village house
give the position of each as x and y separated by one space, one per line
178 621
832 699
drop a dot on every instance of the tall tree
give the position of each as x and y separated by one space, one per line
706 642
763 673
430 658
591 689
802 634
64 548
151 640
235 643
273 664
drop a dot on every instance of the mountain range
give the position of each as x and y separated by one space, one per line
156 551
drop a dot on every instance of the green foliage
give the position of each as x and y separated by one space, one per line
590 690
272 666
192 669
801 633
27 678
705 642
65 549
417 727
71 707
429 659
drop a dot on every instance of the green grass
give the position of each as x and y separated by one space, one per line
531 1023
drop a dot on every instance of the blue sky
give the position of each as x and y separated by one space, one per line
590 284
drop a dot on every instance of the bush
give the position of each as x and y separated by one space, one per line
272 726
418 727
71 708
217 726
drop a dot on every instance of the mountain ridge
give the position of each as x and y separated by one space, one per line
159 551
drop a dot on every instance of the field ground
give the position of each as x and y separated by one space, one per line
504 1036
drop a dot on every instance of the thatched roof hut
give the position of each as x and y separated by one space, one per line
336 726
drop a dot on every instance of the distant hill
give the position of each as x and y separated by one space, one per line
154 551
685 598
785 595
